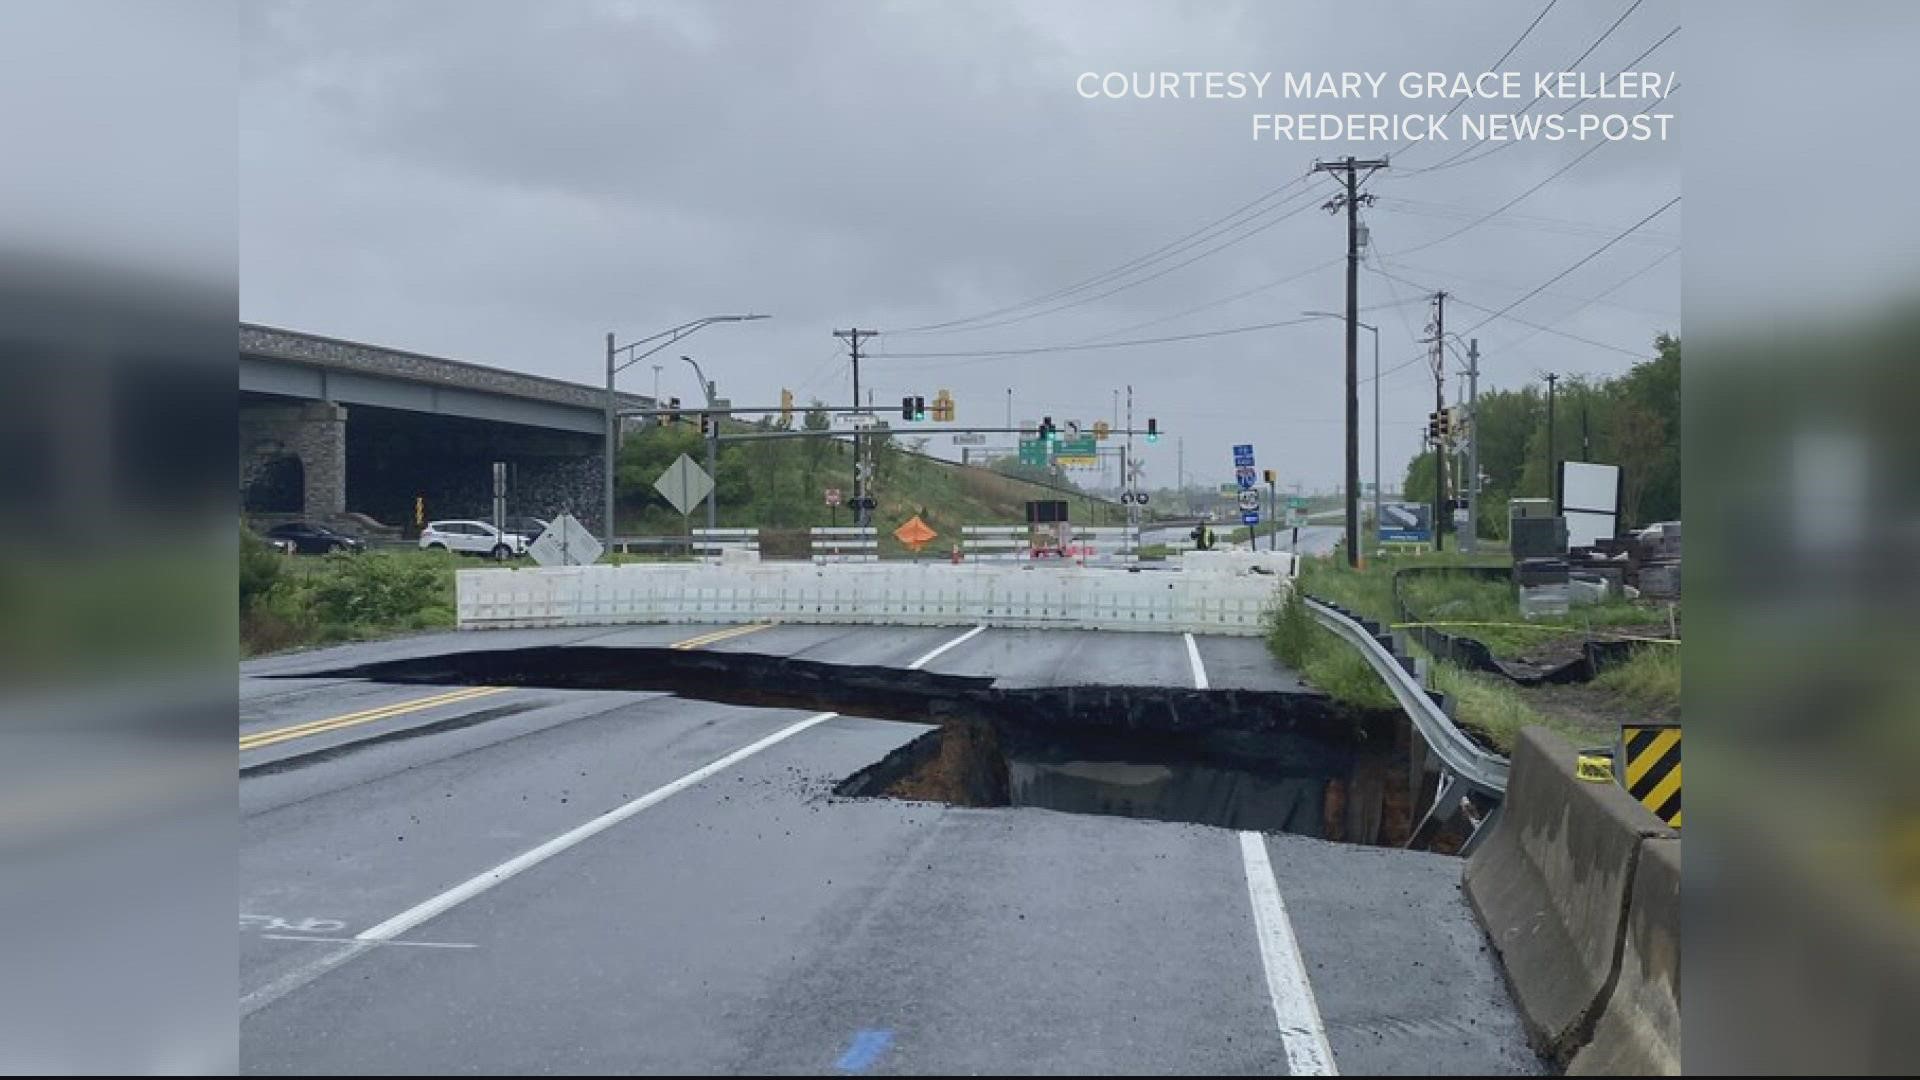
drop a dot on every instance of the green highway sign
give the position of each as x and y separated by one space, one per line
1033 452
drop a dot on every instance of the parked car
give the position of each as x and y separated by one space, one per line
529 527
472 538
310 539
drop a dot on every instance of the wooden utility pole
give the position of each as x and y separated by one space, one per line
1351 200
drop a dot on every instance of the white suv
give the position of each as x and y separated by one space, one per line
472 538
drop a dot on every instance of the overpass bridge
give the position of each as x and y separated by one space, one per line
330 427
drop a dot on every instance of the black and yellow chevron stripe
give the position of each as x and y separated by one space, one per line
1652 754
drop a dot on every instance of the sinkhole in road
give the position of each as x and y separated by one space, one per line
1241 759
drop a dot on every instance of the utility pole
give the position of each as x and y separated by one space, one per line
1470 540
1439 360
1009 406
1553 481
854 337
1351 200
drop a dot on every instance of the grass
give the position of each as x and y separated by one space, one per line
1461 598
291 601
1491 706
1649 680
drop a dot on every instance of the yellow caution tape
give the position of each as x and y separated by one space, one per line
1595 768
1547 628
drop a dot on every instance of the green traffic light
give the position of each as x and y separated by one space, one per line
1153 436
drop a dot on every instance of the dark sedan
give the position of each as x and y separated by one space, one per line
310 539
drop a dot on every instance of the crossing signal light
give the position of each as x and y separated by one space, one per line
1153 430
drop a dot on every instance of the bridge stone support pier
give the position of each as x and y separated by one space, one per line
312 434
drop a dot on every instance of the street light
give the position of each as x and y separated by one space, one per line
712 428
655 343
1376 415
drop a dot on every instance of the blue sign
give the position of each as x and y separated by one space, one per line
1406 522
1250 517
1245 477
1243 450
1243 456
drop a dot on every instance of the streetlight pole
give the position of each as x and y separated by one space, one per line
1374 544
711 421
640 350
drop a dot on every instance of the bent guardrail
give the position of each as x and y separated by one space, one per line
1461 757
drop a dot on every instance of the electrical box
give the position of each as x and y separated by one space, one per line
1529 508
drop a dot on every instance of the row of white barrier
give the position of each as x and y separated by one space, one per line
713 543
1211 600
843 543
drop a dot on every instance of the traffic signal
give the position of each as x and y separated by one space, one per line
1153 430
674 416
906 407
786 407
919 408
1046 429
943 407
1436 427
1269 476
708 422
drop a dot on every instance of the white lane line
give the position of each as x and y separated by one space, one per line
385 932
1294 1009
1199 669
480 883
348 940
962 639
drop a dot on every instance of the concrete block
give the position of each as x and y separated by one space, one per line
1639 1031
1551 886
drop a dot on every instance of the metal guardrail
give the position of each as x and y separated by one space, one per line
1477 768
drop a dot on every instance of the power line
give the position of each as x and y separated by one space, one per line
1537 327
1335 261
1517 199
1108 275
1631 8
1572 105
1495 66
1584 260
1162 272
984 354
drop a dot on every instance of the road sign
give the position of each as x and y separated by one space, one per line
1295 502
566 542
1073 429
1250 518
684 484
833 496
1245 477
1243 454
973 439
1033 452
1249 500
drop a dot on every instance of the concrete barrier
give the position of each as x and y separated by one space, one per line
1053 595
1551 886
1639 1030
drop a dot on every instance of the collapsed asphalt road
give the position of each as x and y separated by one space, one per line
491 878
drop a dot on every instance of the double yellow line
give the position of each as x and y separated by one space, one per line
720 635
260 739
366 716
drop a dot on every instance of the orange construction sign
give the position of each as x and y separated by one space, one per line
914 533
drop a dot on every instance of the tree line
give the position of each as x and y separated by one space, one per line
1631 420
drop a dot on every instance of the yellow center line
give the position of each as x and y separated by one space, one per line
334 723
720 635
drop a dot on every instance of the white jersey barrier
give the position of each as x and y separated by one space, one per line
844 543
1210 599
715 543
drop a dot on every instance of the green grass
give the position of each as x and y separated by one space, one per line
1461 598
1649 680
1491 706
291 601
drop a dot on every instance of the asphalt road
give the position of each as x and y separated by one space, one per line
461 880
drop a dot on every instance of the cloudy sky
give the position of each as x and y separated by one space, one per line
506 182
